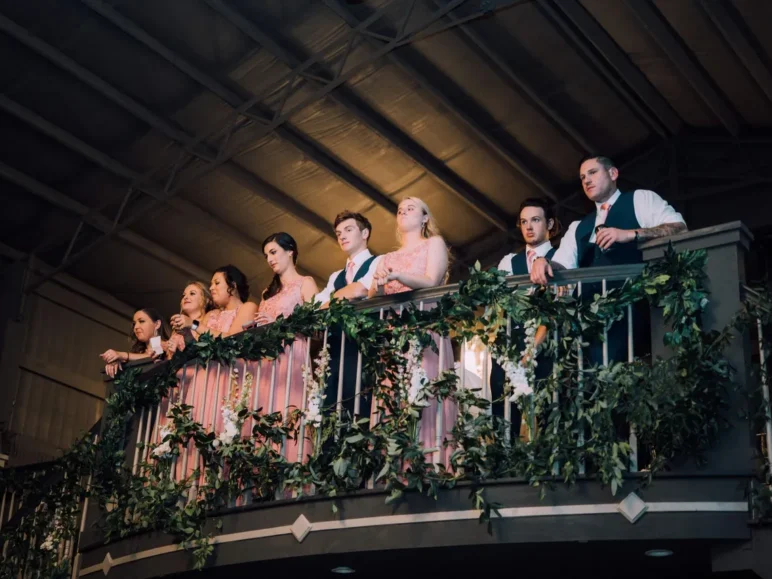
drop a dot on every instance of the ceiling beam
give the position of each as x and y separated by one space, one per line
500 66
235 97
739 43
673 47
102 223
188 210
450 95
640 95
375 121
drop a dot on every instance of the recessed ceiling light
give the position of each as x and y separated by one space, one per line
343 570
658 553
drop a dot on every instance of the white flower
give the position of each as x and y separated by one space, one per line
48 544
231 427
416 394
165 448
315 383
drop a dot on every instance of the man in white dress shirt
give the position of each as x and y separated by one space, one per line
610 236
353 231
537 224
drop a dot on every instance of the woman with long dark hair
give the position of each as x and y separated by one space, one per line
146 324
288 289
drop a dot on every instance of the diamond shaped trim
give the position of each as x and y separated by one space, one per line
632 507
300 528
107 564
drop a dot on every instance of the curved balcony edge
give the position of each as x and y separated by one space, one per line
708 510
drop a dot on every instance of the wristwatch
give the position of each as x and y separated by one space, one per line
194 325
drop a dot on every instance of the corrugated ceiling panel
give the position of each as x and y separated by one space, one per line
537 51
646 54
718 59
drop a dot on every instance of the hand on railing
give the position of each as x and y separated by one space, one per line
113 368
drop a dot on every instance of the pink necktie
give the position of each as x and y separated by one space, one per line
531 256
349 272
603 213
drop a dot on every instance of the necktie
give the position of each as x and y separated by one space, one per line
530 256
603 214
349 272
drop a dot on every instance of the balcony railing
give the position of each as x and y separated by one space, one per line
205 384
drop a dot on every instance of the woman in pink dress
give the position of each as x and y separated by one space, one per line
196 301
209 389
287 290
420 262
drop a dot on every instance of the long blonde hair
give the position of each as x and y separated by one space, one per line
430 228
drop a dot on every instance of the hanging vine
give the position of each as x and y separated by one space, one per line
675 405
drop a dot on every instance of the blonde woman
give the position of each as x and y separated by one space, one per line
195 303
420 262
422 258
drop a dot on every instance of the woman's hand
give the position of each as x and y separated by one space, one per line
180 321
111 356
175 343
384 275
112 369
262 319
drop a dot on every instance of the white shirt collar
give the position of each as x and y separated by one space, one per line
542 249
360 258
611 200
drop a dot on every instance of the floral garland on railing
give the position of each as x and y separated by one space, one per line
235 468
756 316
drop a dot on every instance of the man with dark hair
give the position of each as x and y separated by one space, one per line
537 224
353 231
610 236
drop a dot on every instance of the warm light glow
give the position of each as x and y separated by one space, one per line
657 553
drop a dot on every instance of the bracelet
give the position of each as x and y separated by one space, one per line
127 358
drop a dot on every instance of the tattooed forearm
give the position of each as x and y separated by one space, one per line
664 230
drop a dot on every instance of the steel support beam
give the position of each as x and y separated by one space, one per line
234 171
673 47
378 123
447 92
235 98
640 95
188 210
508 74
739 43
102 223
280 116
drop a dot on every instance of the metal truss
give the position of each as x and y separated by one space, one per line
250 128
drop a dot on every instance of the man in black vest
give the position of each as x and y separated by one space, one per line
610 235
537 224
353 231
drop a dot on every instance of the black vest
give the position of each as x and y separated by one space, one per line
520 265
622 216
340 281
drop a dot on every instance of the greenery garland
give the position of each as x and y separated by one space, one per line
675 405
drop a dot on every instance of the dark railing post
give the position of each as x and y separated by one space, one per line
726 246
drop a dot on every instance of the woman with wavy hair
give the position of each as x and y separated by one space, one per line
195 303
288 289
146 324
420 262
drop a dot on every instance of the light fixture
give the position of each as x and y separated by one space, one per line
343 570
659 553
